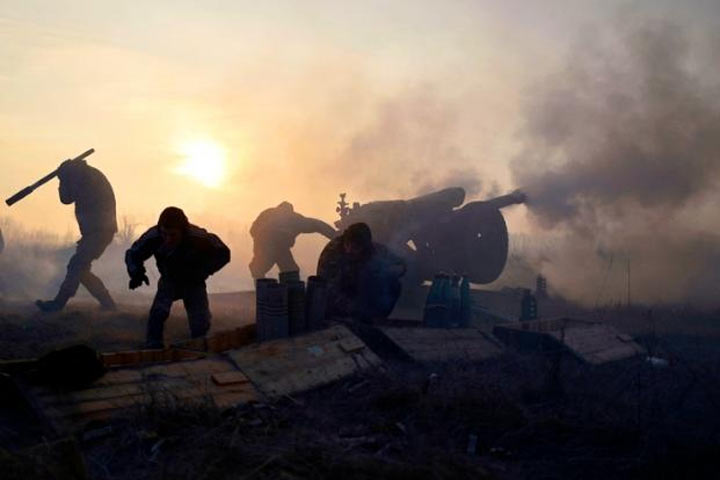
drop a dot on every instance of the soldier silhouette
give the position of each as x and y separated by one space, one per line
94 200
274 233
186 256
363 277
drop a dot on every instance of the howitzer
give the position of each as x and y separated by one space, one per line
28 190
437 233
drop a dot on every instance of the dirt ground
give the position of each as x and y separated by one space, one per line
514 417
25 332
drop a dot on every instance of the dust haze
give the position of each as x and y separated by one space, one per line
621 161
617 151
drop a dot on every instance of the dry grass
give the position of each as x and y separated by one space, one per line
621 421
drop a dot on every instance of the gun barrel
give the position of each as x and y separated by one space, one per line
28 190
503 201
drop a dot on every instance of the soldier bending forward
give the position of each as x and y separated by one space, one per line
186 256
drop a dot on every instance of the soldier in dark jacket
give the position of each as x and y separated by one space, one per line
94 200
274 233
363 277
186 256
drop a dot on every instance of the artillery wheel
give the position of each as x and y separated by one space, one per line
471 241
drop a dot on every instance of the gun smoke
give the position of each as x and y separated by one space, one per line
622 157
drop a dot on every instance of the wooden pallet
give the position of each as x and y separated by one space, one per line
594 343
286 366
194 349
204 381
443 345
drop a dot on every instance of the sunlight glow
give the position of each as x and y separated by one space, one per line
203 161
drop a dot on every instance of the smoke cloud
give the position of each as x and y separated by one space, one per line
621 155
412 138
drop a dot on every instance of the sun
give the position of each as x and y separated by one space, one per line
203 161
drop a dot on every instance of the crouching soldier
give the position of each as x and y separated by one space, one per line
363 277
186 256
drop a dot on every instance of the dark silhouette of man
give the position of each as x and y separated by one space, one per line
94 200
363 277
274 233
186 255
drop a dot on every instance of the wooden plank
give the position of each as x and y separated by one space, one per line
16 366
352 345
208 366
591 342
220 342
286 366
618 352
138 358
229 378
189 381
232 399
436 344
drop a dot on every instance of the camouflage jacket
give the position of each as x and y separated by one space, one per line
199 255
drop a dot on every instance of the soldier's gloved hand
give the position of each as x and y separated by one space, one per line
138 280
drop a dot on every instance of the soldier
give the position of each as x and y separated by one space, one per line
94 200
186 256
363 277
274 233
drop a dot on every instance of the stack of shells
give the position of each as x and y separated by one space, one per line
285 309
271 309
316 303
448 304
296 302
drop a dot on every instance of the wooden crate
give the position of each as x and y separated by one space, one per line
289 365
591 342
443 345
126 388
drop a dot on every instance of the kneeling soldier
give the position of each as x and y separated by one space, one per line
186 256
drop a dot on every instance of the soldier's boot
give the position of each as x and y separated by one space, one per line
68 288
49 306
58 303
97 289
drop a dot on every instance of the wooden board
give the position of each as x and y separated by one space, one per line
137 358
285 366
193 349
213 380
591 342
442 345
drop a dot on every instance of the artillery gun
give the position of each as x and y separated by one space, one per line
436 232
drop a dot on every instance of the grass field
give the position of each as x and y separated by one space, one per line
518 416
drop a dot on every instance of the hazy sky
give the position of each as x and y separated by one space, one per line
302 99
283 88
